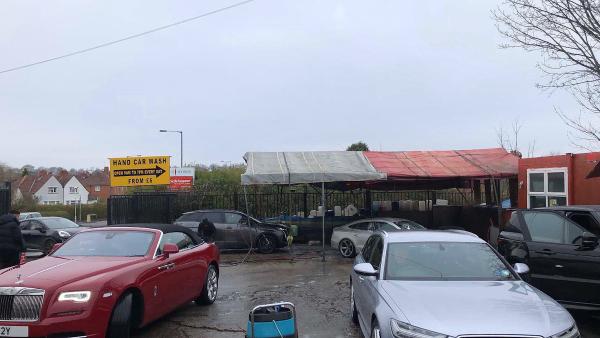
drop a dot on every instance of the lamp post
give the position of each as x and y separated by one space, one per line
181 141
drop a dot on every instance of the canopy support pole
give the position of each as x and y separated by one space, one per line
323 219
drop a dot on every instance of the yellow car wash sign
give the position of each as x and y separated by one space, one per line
138 171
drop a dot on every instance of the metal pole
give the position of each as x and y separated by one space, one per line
323 211
181 148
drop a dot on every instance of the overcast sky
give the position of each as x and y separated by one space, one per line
272 75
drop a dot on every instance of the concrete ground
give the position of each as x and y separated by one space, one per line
319 290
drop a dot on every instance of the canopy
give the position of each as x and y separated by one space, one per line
308 167
451 164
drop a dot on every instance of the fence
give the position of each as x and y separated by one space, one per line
5 198
166 207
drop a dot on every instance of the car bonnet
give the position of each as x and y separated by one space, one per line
477 307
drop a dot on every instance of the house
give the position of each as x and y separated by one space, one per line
74 191
98 185
569 179
49 189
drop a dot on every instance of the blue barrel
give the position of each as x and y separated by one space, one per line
272 323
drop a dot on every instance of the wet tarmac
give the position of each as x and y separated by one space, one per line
319 290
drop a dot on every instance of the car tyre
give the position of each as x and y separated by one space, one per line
353 310
120 321
347 248
211 287
375 330
266 244
48 245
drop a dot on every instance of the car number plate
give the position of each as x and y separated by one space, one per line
14 331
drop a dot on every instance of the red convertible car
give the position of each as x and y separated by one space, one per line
103 282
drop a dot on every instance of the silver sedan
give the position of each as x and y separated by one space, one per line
448 284
349 239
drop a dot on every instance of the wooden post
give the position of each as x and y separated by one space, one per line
488 192
513 191
477 192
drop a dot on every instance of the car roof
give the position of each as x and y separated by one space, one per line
165 228
432 236
210 210
573 208
375 219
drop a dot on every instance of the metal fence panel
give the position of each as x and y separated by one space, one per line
5 196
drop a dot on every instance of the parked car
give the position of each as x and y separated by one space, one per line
43 232
104 281
587 216
563 255
447 284
29 215
236 230
349 239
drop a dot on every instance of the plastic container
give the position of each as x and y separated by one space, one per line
272 321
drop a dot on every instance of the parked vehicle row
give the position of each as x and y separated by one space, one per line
103 282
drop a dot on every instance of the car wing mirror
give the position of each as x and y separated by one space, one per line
589 240
515 236
521 269
365 269
170 249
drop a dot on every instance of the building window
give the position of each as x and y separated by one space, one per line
52 190
73 190
97 188
547 187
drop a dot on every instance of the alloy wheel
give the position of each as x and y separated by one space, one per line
346 248
213 284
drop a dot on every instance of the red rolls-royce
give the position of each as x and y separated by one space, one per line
103 282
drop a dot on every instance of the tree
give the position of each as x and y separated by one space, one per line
358 146
567 34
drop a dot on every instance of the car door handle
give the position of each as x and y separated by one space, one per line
166 266
229 228
546 252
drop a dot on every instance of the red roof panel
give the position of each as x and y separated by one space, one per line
445 164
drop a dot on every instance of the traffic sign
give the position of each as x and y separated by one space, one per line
139 171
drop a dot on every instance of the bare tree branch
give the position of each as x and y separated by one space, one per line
567 34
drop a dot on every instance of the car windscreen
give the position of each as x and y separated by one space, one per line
444 261
59 223
408 225
104 243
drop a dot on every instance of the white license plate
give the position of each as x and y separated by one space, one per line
14 331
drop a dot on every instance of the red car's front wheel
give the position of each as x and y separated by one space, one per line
120 322
211 287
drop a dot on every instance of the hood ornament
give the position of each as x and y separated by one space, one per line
19 281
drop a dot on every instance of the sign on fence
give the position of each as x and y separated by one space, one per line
182 178
139 171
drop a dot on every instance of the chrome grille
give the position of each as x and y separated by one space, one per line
20 304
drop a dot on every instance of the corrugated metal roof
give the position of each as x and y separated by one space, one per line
476 163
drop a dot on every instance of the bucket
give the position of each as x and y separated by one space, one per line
272 321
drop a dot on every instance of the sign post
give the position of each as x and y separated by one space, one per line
140 171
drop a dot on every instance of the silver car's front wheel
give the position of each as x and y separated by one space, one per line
353 311
346 248
375 331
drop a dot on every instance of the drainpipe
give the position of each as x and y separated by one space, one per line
571 178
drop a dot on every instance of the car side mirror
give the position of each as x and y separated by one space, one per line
365 269
522 269
589 240
170 249
515 236
55 247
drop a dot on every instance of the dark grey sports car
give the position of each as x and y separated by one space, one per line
43 232
236 230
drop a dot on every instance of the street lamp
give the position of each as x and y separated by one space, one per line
181 139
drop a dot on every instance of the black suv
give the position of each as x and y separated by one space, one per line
560 245
236 230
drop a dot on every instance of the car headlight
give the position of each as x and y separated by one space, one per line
64 234
404 330
76 296
573 332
